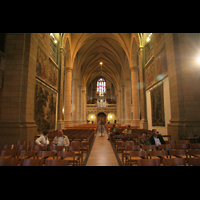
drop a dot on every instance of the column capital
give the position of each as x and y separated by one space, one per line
68 69
140 49
134 68
62 50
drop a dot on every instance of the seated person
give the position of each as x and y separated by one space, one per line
111 130
43 140
116 130
144 140
127 131
61 140
156 139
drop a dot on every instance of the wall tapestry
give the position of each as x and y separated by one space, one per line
150 74
157 106
157 70
53 75
159 37
46 69
161 62
44 37
45 107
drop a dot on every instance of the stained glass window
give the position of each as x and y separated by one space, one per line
101 87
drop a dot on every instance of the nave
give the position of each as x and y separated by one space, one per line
102 153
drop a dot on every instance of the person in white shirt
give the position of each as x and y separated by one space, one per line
61 140
43 140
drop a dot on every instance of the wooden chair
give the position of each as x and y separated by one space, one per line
178 153
23 154
8 162
194 153
149 147
85 145
194 145
75 143
131 143
38 148
170 142
183 142
174 162
8 153
8 147
21 143
136 147
193 161
137 155
56 148
67 155
180 146
43 155
31 143
31 162
164 147
56 162
149 162
127 150
118 145
77 151
22 147
126 153
158 154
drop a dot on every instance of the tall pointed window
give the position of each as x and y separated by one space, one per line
101 87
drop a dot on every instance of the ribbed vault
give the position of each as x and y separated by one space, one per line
96 48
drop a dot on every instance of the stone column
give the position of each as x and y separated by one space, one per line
143 121
122 105
119 107
84 107
75 102
68 96
80 104
60 124
135 96
128 102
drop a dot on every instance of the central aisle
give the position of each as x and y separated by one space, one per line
102 153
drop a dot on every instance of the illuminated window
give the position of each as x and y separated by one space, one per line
101 87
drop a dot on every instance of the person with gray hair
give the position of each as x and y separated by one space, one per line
61 140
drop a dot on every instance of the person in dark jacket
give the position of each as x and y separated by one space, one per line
156 139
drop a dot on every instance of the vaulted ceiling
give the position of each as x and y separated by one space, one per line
89 49
105 48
